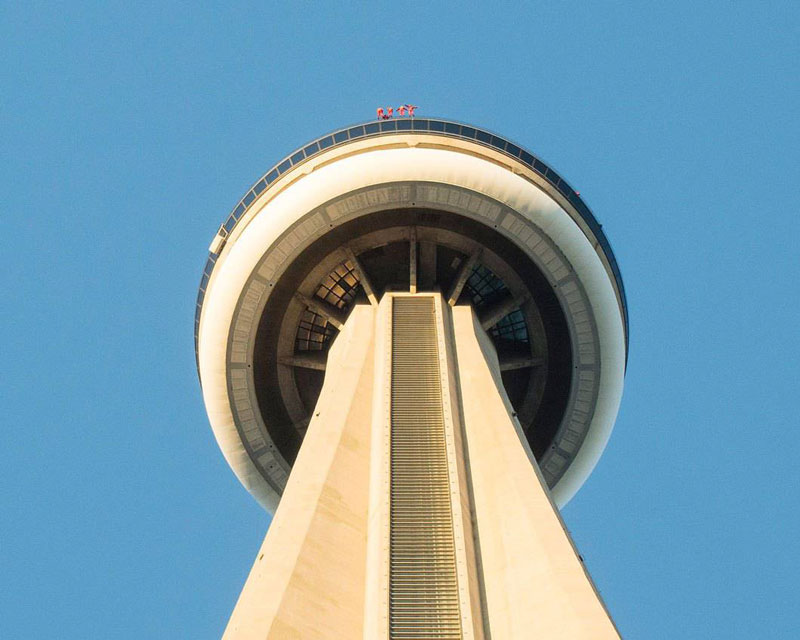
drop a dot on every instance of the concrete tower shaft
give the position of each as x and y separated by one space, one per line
415 508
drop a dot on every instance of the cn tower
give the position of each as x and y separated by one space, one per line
411 338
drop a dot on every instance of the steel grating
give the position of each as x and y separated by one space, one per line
423 584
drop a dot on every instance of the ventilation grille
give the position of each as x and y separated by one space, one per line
423 588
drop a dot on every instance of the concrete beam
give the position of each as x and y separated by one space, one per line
519 362
500 310
328 311
362 276
461 278
311 360
302 426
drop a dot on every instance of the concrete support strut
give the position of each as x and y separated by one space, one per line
323 308
369 290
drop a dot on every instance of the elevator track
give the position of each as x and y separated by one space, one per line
423 584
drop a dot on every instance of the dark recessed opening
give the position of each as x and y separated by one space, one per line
387 267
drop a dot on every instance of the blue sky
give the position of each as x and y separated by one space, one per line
127 133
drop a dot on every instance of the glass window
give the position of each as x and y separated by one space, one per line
540 166
311 149
341 136
340 286
313 333
436 125
403 125
483 287
527 158
356 132
419 124
284 166
297 157
271 176
229 223
326 142
372 128
388 125
249 198
468 132
513 149
260 186
511 328
498 143
483 136
449 127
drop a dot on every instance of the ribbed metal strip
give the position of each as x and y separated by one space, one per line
423 586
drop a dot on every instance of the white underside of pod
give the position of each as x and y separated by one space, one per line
266 221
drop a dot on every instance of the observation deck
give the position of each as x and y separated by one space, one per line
412 204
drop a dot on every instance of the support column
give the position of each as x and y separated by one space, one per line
461 277
309 576
534 582
415 508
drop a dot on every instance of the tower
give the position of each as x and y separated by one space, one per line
411 335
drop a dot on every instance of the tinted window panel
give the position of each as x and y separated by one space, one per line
468 132
356 132
284 166
297 157
498 142
325 142
449 127
436 125
311 149
340 137
403 125
372 128
483 136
